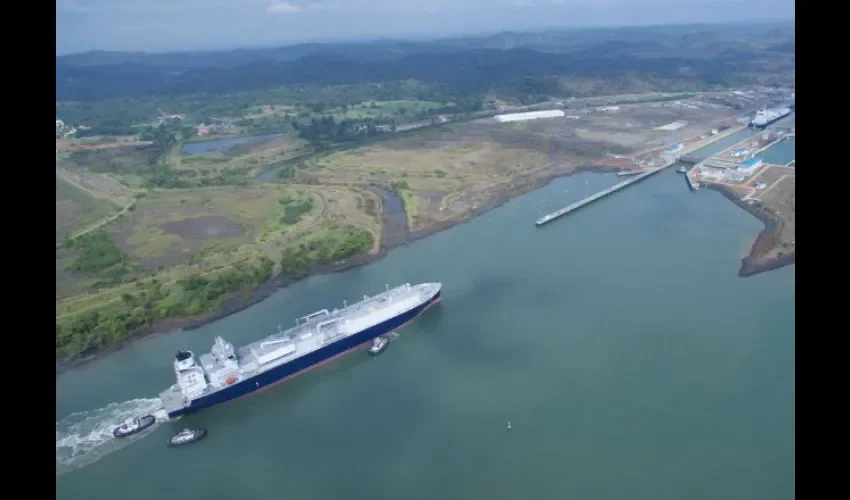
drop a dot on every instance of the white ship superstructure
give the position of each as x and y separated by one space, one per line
766 116
226 373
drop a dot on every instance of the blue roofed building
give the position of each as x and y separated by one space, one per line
749 165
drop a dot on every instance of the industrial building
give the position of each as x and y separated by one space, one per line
672 127
531 115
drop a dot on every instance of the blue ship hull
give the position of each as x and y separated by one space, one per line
302 364
769 123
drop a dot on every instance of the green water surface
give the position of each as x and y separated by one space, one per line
630 358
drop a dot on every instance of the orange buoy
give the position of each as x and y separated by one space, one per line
230 380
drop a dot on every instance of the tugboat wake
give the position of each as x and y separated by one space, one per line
83 438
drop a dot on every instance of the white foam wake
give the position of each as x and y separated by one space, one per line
85 437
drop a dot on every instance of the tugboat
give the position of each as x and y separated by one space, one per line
378 346
682 170
132 426
186 436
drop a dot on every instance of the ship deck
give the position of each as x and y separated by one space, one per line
305 337
172 399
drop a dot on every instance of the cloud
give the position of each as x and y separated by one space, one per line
283 8
154 6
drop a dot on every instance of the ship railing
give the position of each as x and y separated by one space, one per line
266 343
305 319
333 327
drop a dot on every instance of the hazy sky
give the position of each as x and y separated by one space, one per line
165 25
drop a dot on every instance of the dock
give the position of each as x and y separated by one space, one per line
639 175
601 194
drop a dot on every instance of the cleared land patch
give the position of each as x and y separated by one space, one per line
157 255
374 109
204 227
780 199
169 227
437 164
76 209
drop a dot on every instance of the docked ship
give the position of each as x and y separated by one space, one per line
227 373
766 116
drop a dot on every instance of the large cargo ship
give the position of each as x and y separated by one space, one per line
765 117
227 373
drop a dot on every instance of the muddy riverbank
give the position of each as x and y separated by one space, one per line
394 234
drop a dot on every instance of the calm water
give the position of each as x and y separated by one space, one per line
630 358
781 153
220 146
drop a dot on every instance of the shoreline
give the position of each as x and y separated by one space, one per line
754 264
241 302
751 265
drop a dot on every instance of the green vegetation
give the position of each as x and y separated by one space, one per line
98 252
408 198
122 115
286 172
76 209
339 137
294 208
92 330
153 168
399 186
110 303
327 247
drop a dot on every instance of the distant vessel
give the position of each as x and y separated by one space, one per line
682 169
227 373
766 116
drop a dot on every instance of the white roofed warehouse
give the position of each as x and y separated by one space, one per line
531 115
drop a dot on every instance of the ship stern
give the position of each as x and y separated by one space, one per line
172 401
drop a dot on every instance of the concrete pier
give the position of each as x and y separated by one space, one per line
629 173
590 199
669 161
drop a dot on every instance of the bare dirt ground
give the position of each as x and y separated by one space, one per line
96 186
199 243
66 145
76 208
204 227
775 205
168 227
452 171
779 198
176 226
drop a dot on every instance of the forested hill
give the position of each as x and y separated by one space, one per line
713 55
467 69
